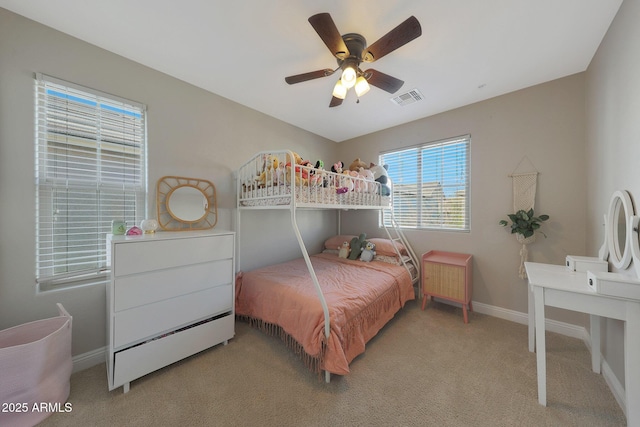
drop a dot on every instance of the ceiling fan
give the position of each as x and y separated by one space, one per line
350 50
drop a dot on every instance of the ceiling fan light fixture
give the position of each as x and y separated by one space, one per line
339 90
350 50
362 86
348 78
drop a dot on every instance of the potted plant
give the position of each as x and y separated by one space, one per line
524 224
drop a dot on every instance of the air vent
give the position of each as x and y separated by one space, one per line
407 98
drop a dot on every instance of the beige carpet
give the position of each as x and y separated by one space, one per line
423 369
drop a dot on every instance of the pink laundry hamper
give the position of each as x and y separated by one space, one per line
35 370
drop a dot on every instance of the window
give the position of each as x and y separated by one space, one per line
90 168
430 185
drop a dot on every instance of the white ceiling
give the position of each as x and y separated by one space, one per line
243 49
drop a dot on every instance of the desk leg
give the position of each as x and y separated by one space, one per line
594 325
538 295
631 365
532 319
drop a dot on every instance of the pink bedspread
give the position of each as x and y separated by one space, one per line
362 297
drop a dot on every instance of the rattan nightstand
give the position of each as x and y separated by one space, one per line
447 275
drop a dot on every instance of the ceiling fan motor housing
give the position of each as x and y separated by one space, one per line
356 44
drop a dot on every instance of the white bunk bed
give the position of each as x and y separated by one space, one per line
273 180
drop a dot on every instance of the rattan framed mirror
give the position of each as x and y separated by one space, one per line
186 204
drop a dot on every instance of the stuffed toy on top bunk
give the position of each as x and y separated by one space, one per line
291 168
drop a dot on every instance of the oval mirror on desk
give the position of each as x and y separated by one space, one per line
618 232
186 204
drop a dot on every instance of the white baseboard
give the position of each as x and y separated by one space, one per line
523 318
89 359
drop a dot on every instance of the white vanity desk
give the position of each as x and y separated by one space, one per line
556 286
560 286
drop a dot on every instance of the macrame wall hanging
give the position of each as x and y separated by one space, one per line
524 198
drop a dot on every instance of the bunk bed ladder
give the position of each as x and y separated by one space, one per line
398 236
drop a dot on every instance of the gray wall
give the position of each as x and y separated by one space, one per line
546 123
542 127
613 149
191 133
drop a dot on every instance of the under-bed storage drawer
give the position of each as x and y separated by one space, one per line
136 324
153 355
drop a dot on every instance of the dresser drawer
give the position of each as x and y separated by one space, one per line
143 359
146 288
148 255
147 321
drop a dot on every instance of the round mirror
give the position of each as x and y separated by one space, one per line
186 203
618 230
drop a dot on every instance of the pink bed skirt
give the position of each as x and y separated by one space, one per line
35 370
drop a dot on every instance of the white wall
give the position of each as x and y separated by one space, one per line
613 141
191 133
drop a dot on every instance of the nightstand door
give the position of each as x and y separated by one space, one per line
444 280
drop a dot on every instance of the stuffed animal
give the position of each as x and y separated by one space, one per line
367 183
347 181
315 179
381 175
316 174
357 164
344 250
294 168
296 158
269 172
299 176
321 172
357 244
368 252
278 178
337 167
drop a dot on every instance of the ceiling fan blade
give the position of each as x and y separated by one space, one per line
399 36
335 102
383 81
328 32
308 76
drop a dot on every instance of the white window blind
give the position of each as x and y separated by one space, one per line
90 169
430 185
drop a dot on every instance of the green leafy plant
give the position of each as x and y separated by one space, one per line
525 223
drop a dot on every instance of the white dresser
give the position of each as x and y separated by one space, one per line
171 295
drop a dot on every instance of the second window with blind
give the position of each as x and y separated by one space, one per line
90 169
430 185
